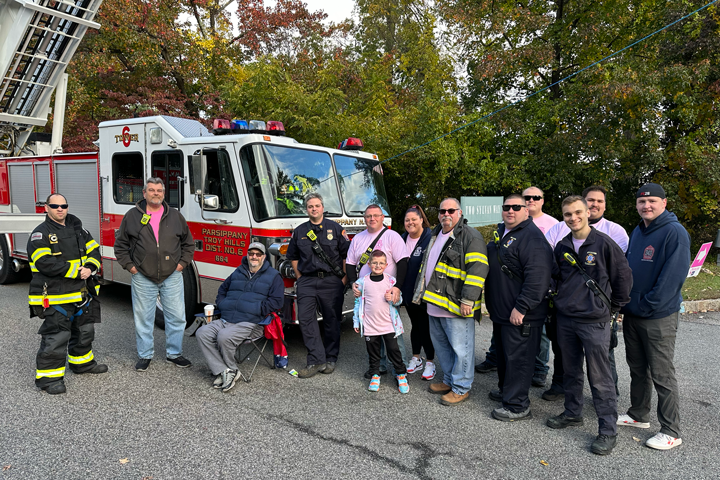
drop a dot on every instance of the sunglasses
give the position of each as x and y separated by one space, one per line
537 198
55 206
451 211
255 254
515 208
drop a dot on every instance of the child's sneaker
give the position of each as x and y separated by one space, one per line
429 372
374 383
415 365
402 383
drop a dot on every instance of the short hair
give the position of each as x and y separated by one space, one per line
154 180
533 186
417 209
47 200
373 205
457 202
378 254
311 196
595 188
514 195
572 199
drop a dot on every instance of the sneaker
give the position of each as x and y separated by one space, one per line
439 388
329 368
538 380
281 361
505 415
603 444
553 394
451 398
96 369
429 372
485 367
55 388
229 379
142 364
180 361
660 441
415 365
627 421
562 421
495 395
402 383
374 383
218 381
311 370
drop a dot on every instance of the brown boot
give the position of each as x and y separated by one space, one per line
439 388
452 398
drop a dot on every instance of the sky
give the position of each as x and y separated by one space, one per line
337 10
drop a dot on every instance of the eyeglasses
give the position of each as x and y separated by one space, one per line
515 208
378 264
255 254
451 211
55 206
537 198
377 215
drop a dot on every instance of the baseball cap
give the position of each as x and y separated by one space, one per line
651 190
257 246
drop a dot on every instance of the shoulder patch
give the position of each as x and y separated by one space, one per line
36 236
53 238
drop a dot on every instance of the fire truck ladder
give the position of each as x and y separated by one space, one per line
37 40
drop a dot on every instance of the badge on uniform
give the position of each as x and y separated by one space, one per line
329 236
590 258
53 238
36 236
145 219
510 242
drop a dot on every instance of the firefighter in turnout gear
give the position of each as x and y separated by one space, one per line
63 258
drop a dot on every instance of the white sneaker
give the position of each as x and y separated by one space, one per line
663 442
218 383
627 421
415 365
429 372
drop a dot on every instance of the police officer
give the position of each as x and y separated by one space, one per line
520 267
317 251
63 259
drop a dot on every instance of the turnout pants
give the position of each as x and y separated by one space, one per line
65 339
649 349
591 340
516 363
327 294
373 344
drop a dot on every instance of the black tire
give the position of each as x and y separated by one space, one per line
7 274
191 307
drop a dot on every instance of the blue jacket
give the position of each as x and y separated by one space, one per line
242 298
659 256
414 264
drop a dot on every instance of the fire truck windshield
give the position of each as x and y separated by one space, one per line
279 177
361 184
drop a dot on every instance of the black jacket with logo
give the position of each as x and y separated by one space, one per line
135 243
528 256
604 262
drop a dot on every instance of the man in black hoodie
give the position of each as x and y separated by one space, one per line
659 255
520 266
584 312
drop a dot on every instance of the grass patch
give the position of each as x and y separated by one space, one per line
705 286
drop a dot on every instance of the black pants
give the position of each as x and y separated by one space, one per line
420 333
516 363
592 341
327 294
558 372
64 339
373 344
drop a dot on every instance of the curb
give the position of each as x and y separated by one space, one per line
700 306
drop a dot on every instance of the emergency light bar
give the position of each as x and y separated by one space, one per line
351 143
225 127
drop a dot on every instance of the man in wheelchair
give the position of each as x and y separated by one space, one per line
245 299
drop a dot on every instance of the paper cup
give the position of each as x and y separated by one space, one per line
209 310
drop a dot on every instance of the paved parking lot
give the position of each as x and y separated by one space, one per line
168 423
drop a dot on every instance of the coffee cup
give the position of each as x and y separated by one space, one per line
209 311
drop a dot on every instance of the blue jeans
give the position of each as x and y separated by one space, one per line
454 342
144 298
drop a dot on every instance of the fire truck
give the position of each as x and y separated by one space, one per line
235 184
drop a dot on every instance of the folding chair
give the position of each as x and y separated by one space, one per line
252 344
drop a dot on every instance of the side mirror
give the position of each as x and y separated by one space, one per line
211 202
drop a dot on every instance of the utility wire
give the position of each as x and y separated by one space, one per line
551 85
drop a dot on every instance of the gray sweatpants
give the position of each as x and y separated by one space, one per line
650 349
218 341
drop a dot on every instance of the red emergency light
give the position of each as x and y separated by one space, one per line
351 143
275 128
221 126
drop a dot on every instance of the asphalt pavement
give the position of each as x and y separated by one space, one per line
169 423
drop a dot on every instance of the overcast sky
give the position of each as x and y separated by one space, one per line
337 10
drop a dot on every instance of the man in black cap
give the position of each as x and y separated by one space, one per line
659 256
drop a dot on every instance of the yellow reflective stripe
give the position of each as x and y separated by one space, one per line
451 272
91 245
58 372
475 257
73 270
56 299
97 289
94 262
84 359
475 280
33 268
40 252
445 303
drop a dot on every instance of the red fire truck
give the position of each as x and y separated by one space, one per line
239 183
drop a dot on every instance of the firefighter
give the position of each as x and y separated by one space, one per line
63 258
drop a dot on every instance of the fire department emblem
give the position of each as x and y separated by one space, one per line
590 258
510 242
648 253
53 238
329 236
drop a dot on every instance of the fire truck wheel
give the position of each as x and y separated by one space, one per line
7 274
191 307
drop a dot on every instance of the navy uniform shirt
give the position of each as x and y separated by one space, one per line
330 236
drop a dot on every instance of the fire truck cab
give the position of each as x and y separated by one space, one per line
233 185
